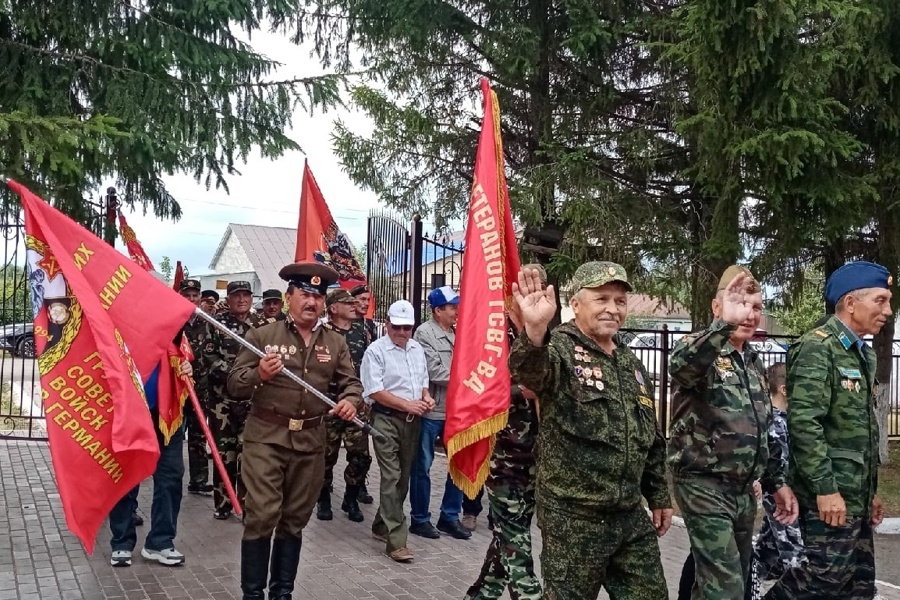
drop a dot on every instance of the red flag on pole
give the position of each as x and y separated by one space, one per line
479 391
179 276
318 236
173 390
135 250
99 323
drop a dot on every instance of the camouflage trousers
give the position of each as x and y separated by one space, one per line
198 463
615 550
720 526
508 562
356 442
841 562
227 424
778 549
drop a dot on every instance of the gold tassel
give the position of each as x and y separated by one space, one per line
486 429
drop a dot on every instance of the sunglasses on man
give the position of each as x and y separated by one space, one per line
402 327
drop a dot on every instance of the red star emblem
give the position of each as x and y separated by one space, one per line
49 265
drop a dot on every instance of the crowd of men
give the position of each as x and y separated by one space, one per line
582 449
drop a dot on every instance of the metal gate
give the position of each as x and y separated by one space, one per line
404 265
21 409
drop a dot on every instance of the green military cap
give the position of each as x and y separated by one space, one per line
238 286
189 284
732 272
272 295
598 273
339 295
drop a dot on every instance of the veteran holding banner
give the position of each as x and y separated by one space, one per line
284 439
601 448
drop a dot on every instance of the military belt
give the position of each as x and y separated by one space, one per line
380 408
270 416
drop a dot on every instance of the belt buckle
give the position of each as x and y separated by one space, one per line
295 424
410 417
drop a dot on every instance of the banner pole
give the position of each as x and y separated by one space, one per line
356 420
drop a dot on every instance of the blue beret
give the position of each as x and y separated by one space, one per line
856 276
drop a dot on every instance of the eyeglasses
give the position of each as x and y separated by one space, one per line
402 327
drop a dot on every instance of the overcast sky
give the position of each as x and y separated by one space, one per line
268 192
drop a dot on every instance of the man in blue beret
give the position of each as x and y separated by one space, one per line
834 439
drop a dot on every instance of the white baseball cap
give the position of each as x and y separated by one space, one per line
401 312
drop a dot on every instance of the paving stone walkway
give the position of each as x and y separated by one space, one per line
39 558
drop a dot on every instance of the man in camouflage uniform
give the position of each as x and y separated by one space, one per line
228 413
834 439
779 547
341 309
196 331
510 484
719 445
601 447
363 296
208 299
272 306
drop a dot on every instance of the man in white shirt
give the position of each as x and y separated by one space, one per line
395 381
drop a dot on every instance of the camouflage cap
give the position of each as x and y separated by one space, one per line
339 295
732 272
598 273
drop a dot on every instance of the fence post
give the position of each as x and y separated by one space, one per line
415 267
664 382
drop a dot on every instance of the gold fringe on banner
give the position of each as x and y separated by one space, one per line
486 429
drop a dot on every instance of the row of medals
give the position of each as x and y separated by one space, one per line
586 374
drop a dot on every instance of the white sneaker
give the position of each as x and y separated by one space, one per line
120 558
169 557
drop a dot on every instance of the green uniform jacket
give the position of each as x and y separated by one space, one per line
324 361
831 422
721 413
600 443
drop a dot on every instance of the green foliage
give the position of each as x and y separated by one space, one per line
166 268
799 309
15 305
100 90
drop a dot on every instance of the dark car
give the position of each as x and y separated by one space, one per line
18 338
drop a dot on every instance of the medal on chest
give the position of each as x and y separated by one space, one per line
323 354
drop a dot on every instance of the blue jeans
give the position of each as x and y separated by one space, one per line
167 490
420 479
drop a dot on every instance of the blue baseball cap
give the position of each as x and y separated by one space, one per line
854 276
441 296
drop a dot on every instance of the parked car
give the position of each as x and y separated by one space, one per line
18 338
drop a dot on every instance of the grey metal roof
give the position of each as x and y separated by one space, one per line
267 248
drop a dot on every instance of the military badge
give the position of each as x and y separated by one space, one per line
639 377
283 349
323 358
646 401
292 349
587 379
856 387
579 349
598 373
611 271
315 280
578 371
723 363
600 385
850 373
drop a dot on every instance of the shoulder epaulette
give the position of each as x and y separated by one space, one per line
821 333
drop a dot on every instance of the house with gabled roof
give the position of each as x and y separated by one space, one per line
253 253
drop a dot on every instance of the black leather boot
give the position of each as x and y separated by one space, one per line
254 568
323 508
285 560
350 505
364 496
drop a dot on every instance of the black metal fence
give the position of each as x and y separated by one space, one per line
21 409
404 264
654 347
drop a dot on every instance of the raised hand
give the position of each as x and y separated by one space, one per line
738 299
536 304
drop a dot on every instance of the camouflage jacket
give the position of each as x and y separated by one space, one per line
513 460
221 350
832 424
260 319
197 331
721 413
357 338
600 443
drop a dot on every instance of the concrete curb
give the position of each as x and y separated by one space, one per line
889 526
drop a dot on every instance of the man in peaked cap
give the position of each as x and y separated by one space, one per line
719 444
602 450
283 466
833 436
196 332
